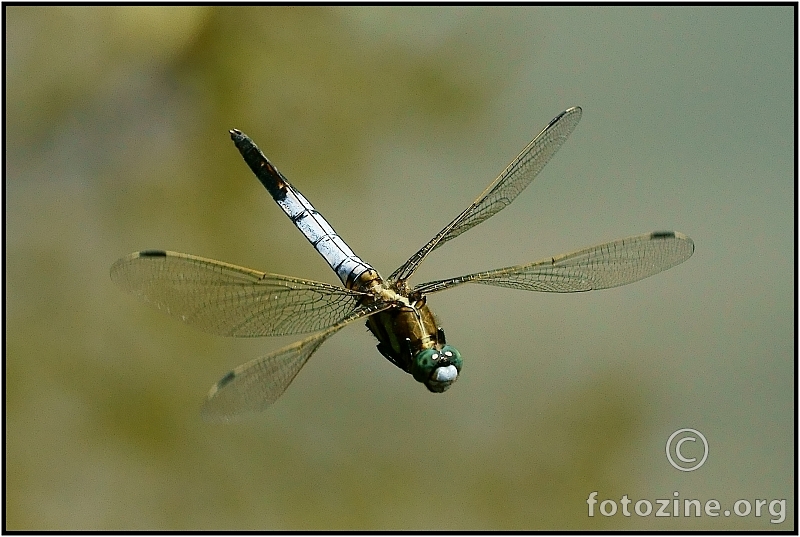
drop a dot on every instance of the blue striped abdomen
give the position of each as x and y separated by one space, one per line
347 265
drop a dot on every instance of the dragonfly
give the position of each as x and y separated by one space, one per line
229 300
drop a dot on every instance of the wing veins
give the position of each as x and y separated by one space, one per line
255 385
602 266
503 190
229 300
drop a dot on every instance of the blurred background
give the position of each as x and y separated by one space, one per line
391 121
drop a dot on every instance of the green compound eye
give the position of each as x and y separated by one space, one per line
437 369
452 355
423 364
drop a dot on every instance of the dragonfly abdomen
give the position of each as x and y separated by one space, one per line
341 258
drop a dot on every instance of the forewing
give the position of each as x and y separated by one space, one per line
255 385
503 190
227 300
598 267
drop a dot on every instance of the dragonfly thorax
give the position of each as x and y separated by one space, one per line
410 337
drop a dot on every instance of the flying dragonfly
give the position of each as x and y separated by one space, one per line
229 300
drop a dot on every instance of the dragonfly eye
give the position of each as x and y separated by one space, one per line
437 369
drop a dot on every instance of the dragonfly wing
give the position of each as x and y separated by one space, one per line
227 300
255 385
503 190
598 267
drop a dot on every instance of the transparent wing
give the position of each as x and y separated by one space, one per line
498 195
227 300
255 385
598 267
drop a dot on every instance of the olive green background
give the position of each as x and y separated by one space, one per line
391 121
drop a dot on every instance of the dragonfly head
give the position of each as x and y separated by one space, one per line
437 369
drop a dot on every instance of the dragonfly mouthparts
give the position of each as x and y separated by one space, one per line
446 374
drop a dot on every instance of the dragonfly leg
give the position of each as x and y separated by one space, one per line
406 348
387 353
440 336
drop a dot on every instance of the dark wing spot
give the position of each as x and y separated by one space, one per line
152 253
225 380
662 235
